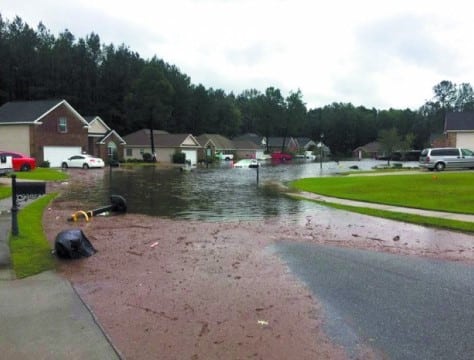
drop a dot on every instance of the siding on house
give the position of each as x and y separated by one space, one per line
15 138
166 144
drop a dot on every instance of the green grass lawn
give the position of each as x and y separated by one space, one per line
30 250
44 174
447 191
5 191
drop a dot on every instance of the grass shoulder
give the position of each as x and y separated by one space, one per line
39 174
42 174
30 250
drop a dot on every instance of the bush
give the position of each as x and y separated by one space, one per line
179 158
147 157
45 164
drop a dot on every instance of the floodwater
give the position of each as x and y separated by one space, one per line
215 193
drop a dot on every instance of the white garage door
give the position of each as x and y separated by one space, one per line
465 140
56 154
191 155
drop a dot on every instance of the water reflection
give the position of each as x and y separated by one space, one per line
215 193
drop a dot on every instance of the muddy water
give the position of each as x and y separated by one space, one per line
224 193
216 193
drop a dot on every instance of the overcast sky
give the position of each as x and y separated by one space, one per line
373 53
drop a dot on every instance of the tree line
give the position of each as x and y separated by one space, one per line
130 93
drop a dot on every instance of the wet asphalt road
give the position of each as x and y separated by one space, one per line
403 307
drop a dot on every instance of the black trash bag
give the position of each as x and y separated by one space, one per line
73 244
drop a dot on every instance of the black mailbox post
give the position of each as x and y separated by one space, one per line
21 192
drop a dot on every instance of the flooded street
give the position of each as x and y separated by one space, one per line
223 193
160 268
215 193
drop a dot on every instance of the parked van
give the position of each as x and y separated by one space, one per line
441 158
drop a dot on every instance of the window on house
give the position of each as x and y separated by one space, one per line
62 125
142 151
111 150
129 152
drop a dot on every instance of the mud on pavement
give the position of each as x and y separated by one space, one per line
179 289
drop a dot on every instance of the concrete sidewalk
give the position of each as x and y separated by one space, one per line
399 209
42 316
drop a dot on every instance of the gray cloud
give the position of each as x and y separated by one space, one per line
405 38
250 54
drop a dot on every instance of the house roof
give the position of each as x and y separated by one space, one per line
219 141
94 121
176 140
459 121
371 147
161 139
278 141
246 145
31 112
256 139
110 134
303 141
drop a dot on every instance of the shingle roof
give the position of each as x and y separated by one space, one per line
110 134
161 139
274 141
25 111
371 147
245 145
459 121
302 141
256 139
140 137
171 140
220 142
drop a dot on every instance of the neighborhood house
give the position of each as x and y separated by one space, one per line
52 130
166 145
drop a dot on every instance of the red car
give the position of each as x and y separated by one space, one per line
278 155
20 161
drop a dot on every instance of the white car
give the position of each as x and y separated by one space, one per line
247 164
226 157
83 161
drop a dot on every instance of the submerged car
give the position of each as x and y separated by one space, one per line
246 163
83 161
20 162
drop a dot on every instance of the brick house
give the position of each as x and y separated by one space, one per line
459 129
49 130
103 141
52 130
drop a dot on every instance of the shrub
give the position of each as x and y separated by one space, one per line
45 164
147 157
179 158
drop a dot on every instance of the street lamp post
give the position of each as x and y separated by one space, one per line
321 151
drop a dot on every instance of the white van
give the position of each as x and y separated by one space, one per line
445 158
